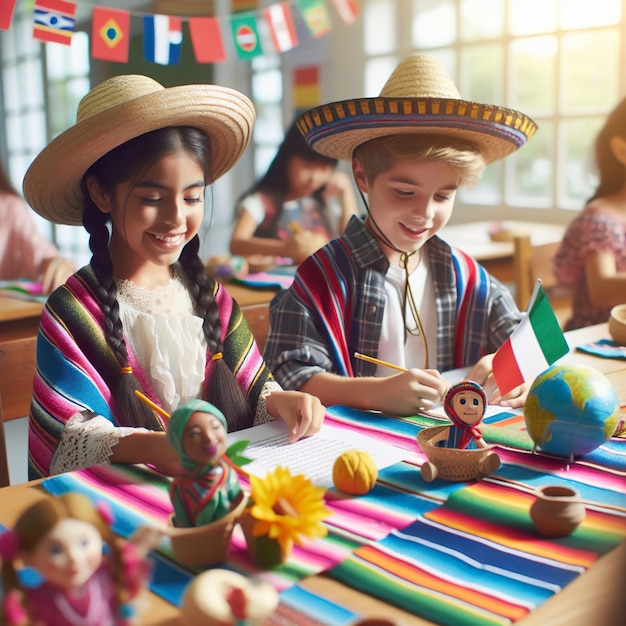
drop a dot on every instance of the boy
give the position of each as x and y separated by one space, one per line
389 288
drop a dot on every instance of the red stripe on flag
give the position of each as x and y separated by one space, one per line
506 371
6 13
206 38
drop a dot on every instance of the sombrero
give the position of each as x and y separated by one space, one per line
122 108
420 98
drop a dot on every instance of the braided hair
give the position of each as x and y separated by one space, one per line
127 163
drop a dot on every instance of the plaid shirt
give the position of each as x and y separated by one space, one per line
300 346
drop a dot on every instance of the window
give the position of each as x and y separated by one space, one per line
28 65
558 61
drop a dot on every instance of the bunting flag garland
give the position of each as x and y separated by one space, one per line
110 34
53 21
281 26
316 16
246 35
306 88
206 38
162 39
347 9
6 13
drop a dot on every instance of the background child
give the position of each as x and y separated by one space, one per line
592 256
143 315
24 252
300 187
390 288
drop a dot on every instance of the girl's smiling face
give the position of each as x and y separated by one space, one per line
153 217
68 555
204 438
409 202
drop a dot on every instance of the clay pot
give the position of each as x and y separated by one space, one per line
264 551
557 511
208 544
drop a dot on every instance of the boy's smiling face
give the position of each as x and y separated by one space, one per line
410 202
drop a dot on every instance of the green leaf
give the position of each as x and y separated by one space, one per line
233 452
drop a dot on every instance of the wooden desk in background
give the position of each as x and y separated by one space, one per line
595 597
497 256
19 324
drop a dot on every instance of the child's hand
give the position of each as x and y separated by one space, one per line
303 244
482 373
302 412
410 392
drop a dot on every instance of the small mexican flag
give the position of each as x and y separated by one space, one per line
535 344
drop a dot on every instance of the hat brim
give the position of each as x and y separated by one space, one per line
336 129
52 184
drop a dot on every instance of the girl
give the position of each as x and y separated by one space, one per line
143 315
592 256
296 207
63 539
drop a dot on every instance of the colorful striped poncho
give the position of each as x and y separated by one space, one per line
336 304
76 370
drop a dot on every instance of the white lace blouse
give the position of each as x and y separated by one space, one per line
168 340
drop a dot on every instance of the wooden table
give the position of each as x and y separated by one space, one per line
596 597
19 324
497 256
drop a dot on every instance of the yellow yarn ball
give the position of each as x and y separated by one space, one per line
355 472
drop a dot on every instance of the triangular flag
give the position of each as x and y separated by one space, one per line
54 21
535 344
162 39
281 26
316 16
347 9
206 38
110 34
246 35
6 13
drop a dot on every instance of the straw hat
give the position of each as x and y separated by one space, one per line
420 98
122 108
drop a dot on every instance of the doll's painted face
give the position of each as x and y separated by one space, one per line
68 555
204 438
468 406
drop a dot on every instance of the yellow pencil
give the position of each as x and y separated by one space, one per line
371 359
152 405
295 227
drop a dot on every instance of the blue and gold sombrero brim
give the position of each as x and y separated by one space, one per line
336 129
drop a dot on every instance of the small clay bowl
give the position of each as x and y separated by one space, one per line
617 324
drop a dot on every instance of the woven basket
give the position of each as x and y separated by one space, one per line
452 464
208 544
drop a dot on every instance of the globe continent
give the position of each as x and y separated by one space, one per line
571 410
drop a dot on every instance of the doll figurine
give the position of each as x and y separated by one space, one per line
465 404
209 484
62 538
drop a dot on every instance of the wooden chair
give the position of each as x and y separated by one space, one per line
4 461
533 262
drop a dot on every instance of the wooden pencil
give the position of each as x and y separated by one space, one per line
152 405
371 359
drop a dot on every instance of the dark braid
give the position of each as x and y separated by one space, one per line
223 392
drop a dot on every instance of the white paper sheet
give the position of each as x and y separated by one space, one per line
314 456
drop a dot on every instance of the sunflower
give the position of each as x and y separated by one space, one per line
287 507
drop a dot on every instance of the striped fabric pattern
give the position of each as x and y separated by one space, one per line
448 552
76 371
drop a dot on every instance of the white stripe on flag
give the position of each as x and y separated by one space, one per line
278 22
162 39
528 352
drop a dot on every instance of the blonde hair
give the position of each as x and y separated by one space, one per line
39 519
379 155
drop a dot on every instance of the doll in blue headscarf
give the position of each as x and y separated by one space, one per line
209 485
465 404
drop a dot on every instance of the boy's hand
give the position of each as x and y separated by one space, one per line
482 373
302 412
410 392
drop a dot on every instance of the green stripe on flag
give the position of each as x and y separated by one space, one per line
546 328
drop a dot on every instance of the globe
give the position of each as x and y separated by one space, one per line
571 410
